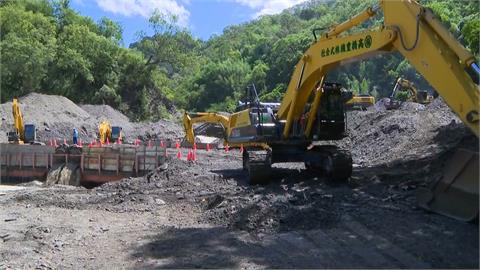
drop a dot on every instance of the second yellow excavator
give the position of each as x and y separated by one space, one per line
21 133
313 109
107 133
413 94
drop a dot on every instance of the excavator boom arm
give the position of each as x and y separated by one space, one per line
204 117
18 119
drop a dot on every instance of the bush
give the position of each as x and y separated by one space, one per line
107 95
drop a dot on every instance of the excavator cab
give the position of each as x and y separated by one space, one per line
331 117
116 133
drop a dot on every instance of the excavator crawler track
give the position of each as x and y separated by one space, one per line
342 166
333 163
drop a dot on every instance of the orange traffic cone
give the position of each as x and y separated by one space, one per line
80 143
179 154
227 148
64 141
108 141
208 147
162 144
177 144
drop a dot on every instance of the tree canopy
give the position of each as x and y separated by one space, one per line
48 47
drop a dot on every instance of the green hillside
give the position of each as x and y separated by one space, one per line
47 47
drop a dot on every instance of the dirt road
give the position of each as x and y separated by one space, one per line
204 215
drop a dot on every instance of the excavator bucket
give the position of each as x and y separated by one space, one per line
456 193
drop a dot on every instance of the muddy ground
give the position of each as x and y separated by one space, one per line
205 215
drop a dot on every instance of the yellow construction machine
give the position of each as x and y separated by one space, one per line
107 133
312 109
360 102
203 117
413 94
21 133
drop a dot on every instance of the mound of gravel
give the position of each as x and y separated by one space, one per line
56 116
380 136
107 113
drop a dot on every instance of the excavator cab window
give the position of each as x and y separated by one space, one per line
116 133
30 133
331 113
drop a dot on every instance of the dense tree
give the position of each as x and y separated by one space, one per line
28 45
48 47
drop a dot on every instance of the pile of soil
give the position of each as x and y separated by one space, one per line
413 131
56 116
394 153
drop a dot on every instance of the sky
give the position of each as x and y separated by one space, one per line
203 18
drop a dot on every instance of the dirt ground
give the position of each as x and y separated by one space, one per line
205 215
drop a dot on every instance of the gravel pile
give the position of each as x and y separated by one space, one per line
56 116
412 131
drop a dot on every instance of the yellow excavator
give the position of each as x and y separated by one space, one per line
360 102
413 94
312 109
107 133
21 133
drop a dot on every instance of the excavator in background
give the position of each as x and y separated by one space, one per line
313 110
21 133
223 119
414 95
107 133
360 102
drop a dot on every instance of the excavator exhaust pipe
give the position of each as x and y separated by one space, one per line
456 193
